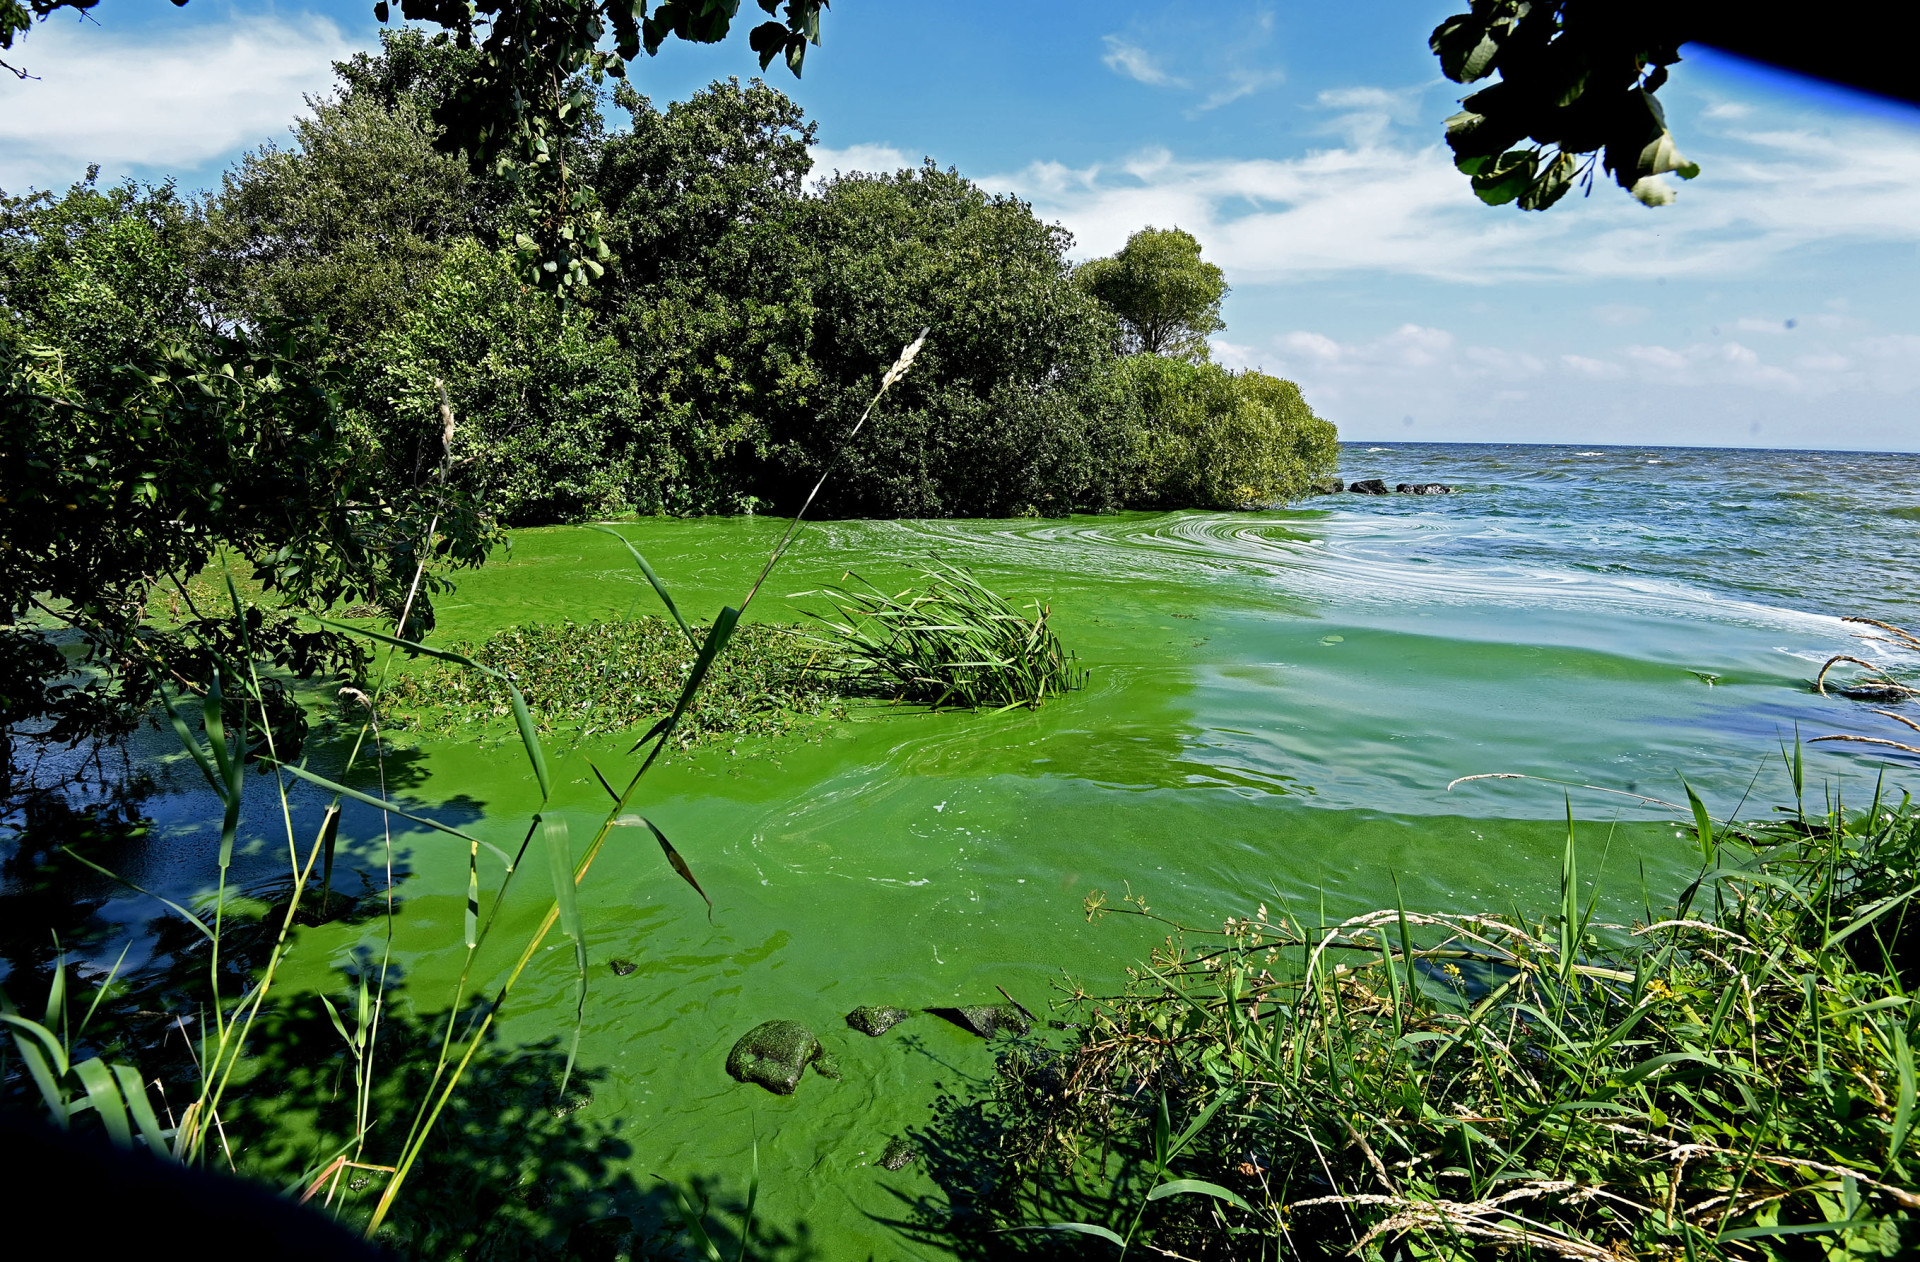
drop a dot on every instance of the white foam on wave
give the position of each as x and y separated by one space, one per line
1367 560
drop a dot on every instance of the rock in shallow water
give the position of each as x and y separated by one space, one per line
1371 486
987 1019
875 1021
898 1156
775 1054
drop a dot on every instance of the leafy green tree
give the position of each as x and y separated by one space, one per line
549 422
1210 438
137 444
1009 408
1166 296
344 228
707 291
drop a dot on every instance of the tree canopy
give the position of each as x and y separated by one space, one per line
1166 296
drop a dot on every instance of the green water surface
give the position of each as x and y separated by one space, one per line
1273 717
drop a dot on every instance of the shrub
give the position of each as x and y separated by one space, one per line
1210 438
1732 1082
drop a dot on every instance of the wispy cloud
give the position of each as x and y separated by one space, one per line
1128 58
1218 60
151 103
1376 203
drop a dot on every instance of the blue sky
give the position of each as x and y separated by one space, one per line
1771 305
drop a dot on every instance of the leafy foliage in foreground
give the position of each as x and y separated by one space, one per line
612 676
1734 1079
957 642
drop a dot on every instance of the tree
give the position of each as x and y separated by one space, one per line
1010 408
1579 78
1166 296
137 444
550 423
709 290
535 65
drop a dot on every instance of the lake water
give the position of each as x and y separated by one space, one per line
1277 704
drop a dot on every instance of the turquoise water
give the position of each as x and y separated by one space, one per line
1277 705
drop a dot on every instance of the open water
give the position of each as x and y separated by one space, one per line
1277 706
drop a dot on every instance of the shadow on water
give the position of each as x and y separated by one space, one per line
515 1169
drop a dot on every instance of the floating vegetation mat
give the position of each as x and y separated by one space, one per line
612 676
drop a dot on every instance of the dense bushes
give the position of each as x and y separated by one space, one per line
1215 439
1007 407
550 425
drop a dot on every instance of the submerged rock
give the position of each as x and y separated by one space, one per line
875 1021
1371 486
898 1155
775 1054
621 967
987 1019
1424 488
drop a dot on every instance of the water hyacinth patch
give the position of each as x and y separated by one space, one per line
612 676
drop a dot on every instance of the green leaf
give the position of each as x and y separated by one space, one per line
673 856
1702 822
104 1094
1199 1187
1084 1229
135 1092
188 916
658 587
1903 1111
384 805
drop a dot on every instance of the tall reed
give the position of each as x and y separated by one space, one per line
954 642
1733 1078
70 1085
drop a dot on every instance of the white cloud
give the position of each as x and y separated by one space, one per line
1374 204
1136 63
171 101
1236 83
865 157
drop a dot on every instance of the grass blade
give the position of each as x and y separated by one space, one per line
566 897
384 805
135 1092
1199 1187
104 1094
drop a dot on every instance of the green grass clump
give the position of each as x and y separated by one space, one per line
957 642
1732 1078
611 676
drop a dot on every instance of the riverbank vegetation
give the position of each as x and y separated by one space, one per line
335 361
1731 1076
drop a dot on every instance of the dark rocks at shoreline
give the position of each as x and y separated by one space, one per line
1378 486
875 1021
